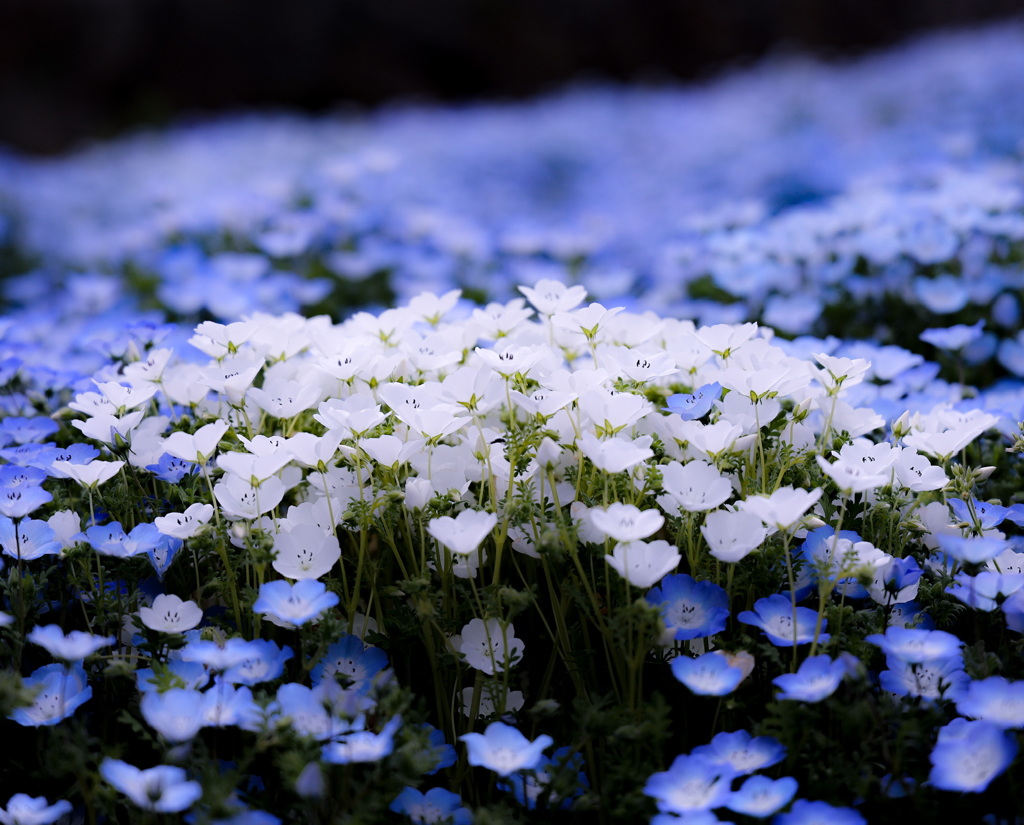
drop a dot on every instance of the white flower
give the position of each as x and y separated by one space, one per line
783 508
643 563
169 614
733 534
463 534
185 525
198 446
624 522
489 646
305 552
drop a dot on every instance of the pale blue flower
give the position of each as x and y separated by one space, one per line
708 675
292 605
163 789
27 810
503 749
742 753
969 755
760 796
817 678
804 812
782 625
59 691
690 785
434 807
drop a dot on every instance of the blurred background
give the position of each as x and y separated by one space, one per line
76 70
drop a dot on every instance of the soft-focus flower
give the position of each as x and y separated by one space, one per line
23 809
163 789
292 605
504 749
783 625
642 563
969 755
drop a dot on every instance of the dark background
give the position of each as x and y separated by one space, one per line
71 70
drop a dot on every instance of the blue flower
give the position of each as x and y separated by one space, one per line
175 714
691 609
264 662
352 661
28 539
986 515
782 625
707 675
435 806
695 405
911 644
171 469
504 750
804 812
969 755
816 679
164 789
292 605
742 753
60 691
691 784
930 680
760 796
74 647
361 745
27 810
996 700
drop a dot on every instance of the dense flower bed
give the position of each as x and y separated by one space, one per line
330 493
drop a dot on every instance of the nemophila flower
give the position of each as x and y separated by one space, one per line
977 514
693 487
198 446
217 656
696 404
549 297
352 663
490 646
954 337
760 796
625 522
169 614
504 750
996 700
986 590
185 525
28 539
914 645
90 475
643 563
434 807
305 552
895 581
615 455
690 785
817 678
782 624
932 680
690 609
805 812
175 673
23 430
969 755
711 674
742 753
732 535
265 661
163 789
23 809
59 690
292 605
172 469
361 745
175 714
464 533
18 501
73 647
782 509
492 698
971 549
320 712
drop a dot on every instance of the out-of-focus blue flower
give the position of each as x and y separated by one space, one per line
361 745
73 647
23 430
27 810
29 539
996 700
691 609
954 337
817 678
985 590
697 404
690 785
163 789
916 644
971 549
264 662
742 753
782 625
441 752
760 796
931 680
61 690
969 755
707 675
175 714
179 674
431 808
804 812
984 515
